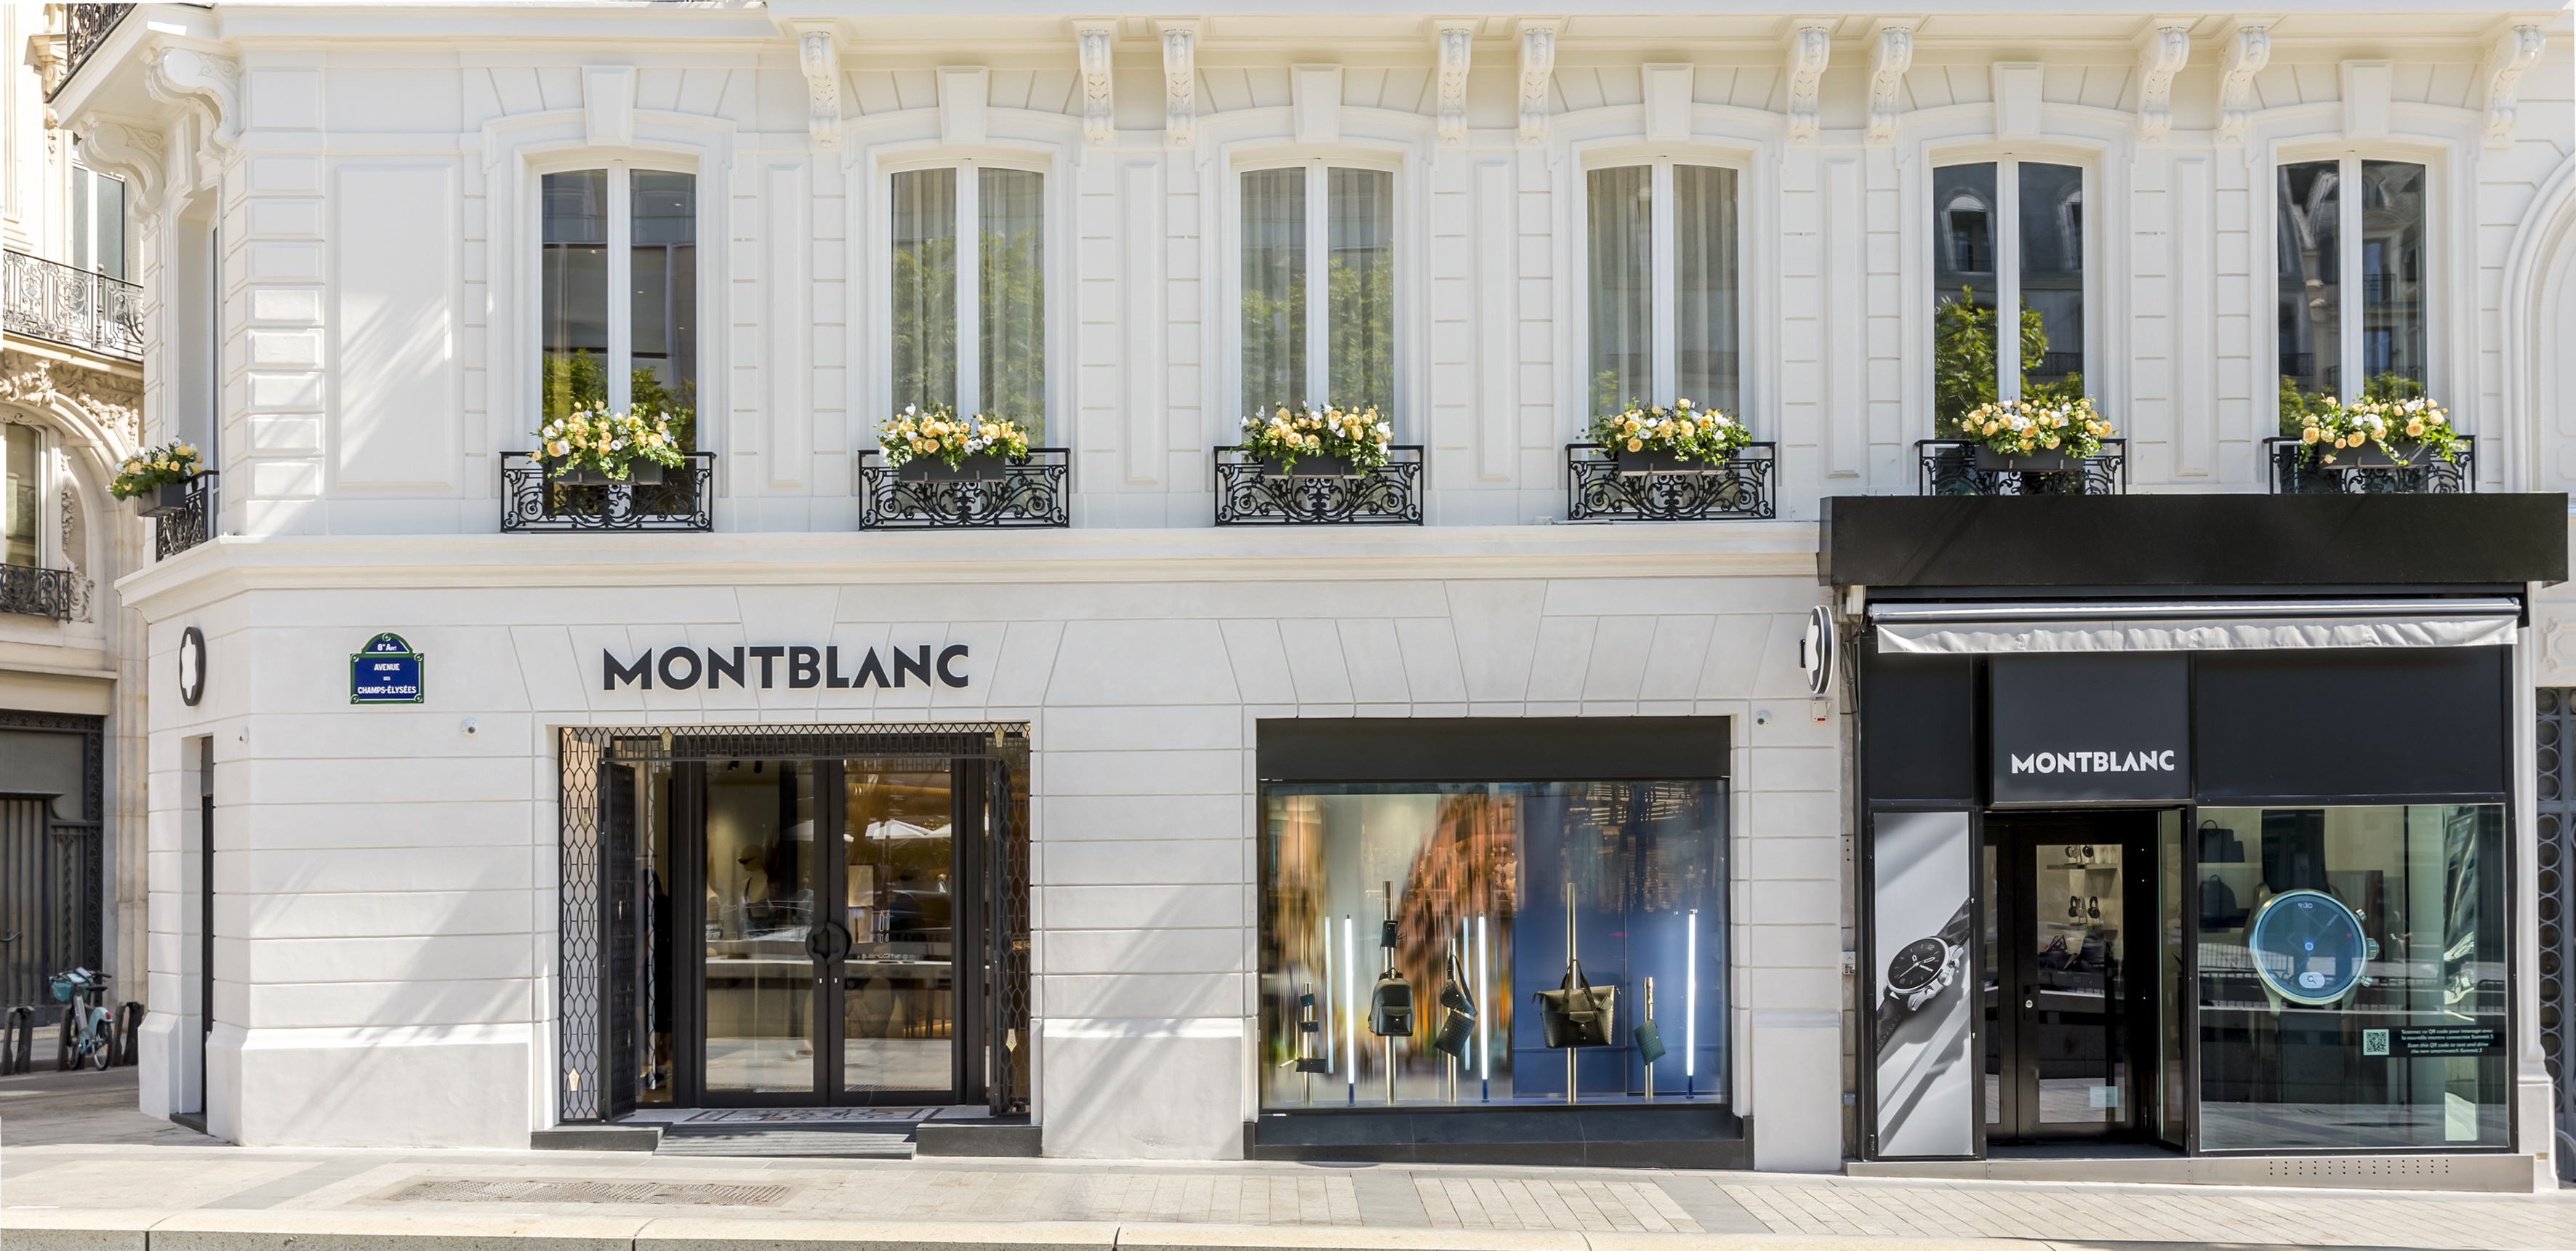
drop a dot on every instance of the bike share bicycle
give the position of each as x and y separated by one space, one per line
87 1033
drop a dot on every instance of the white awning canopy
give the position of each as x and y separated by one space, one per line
1955 629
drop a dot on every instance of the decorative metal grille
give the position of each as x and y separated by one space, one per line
2296 471
1596 488
1027 494
681 501
2555 786
1950 467
588 752
43 299
85 27
51 873
1249 493
39 592
191 523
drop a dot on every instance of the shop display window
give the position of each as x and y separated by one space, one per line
1395 911
2353 977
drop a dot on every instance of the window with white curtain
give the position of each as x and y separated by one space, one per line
2008 250
2365 339
611 230
1318 288
98 222
1663 276
972 337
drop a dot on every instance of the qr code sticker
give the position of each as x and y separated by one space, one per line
2374 1042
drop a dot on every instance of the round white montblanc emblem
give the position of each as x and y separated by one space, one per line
1816 651
192 666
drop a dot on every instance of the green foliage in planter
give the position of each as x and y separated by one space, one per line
580 381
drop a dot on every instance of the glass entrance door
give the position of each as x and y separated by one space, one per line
829 897
2064 1000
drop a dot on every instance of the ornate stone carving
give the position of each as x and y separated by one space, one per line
75 536
1180 86
115 402
1809 51
183 75
1538 67
1890 56
130 151
819 55
2248 51
1456 44
2514 52
2167 50
1091 49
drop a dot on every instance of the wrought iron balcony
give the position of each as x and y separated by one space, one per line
85 27
1314 490
674 499
185 522
74 307
2365 470
1598 489
1958 467
989 493
38 592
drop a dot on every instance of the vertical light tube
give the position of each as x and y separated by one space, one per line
1484 1016
1350 1020
1324 1012
1690 1009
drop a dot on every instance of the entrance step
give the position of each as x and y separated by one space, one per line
882 1141
1006 1136
2498 1173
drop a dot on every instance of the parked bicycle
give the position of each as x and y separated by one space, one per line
88 1035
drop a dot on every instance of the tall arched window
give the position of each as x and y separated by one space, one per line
1318 288
972 337
629 230
2008 251
1663 269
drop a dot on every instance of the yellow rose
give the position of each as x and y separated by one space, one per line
1636 445
2415 428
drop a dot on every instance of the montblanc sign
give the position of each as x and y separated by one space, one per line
795 667
2089 728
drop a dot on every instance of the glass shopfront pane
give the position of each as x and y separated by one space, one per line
2352 977
1466 898
898 977
761 874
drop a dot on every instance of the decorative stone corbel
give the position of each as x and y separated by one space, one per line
1538 67
1890 55
2248 51
138 155
819 55
1810 48
2514 52
1180 85
185 75
2166 51
1455 41
1091 45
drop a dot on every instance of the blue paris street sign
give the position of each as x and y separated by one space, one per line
387 671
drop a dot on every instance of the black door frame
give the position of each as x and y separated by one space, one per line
830 884
2009 899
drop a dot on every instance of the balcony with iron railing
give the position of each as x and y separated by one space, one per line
1959 467
39 592
2300 468
85 28
76 308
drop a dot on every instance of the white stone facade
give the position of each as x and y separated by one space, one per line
365 182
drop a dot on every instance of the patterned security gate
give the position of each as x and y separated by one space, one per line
50 856
641 824
2556 788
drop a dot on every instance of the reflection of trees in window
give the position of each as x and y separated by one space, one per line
586 250
2043 288
999 367
2319 235
1349 359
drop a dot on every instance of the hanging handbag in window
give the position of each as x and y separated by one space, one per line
1458 1014
1576 1013
1391 1000
1308 1027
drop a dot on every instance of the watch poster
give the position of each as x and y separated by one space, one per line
1920 923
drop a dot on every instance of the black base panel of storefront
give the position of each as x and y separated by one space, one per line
1627 1135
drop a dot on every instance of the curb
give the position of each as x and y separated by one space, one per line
74 1229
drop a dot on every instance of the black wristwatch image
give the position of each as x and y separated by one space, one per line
1920 970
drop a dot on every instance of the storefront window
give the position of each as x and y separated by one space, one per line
1480 889
2352 977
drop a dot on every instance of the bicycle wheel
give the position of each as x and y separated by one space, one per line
102 1043
68 1057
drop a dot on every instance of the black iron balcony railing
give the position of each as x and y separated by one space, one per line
186 521
74 307
2299 470
1597 488
678 498
1252 492
1957 467
988 493
39 592
85 27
